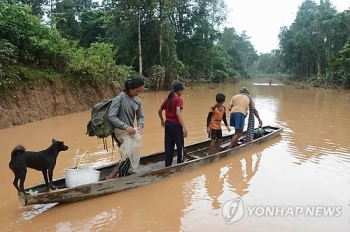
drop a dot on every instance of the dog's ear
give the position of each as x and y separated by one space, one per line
53 140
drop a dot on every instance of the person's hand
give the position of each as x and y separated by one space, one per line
130 130
208 130
140 129
260 123
184 131
162 123
228 128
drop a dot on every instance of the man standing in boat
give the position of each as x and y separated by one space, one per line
239 106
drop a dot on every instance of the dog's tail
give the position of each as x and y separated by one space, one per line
17 150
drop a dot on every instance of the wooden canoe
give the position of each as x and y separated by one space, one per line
151 169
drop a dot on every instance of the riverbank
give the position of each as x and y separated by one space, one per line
312 82
41 99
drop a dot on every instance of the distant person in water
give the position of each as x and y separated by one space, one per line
175 129
217 113
239 106
270 82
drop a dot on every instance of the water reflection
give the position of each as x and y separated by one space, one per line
36 210
206 193
96 223
307 165
311 127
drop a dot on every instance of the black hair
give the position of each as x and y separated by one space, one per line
220 97
133 83
177 86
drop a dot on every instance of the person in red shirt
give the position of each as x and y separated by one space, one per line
175 129
217 113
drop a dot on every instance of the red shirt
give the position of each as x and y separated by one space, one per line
170 114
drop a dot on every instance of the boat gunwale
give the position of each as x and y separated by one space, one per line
24 199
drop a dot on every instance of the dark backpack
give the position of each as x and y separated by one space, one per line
99 125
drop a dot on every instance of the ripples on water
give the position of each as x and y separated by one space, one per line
308 164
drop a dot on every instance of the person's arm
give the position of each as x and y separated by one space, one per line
224 119
181 120
230 105
140 117
210 114
225 122
160 112
113 114
256 113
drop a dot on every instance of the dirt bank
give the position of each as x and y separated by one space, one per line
40 100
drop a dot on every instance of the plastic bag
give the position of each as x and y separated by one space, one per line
131 147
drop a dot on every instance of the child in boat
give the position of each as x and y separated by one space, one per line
174 125
217 113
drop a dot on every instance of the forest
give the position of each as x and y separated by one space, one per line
314 49
90 42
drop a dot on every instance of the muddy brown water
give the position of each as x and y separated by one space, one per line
308 165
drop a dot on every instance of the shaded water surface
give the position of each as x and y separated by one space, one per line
308 165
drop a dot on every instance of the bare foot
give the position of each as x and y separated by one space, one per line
113 174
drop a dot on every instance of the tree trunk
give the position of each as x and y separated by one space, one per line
51 22
161 6
319 72
139 38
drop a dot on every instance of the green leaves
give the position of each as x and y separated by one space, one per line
181 38
313 44
25 40
96 64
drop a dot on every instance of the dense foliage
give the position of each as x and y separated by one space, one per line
316 47
164 40
85 41
26 44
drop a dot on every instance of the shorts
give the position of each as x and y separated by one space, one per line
237 120
215 134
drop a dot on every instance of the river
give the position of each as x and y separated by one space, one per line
307 166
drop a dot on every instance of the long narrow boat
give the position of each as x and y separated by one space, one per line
151 169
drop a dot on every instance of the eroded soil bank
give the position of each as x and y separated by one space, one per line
40 100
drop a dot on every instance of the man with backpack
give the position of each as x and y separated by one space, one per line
123 110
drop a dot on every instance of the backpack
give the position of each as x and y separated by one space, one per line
99 125
258 132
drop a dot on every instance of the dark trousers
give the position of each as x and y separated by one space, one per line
173 135
124 167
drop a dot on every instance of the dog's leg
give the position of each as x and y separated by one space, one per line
46 180
15 183
50 172
22 178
